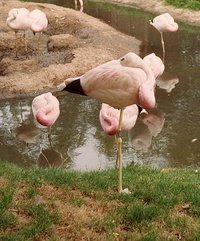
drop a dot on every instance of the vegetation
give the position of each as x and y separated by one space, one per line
53 204
191 4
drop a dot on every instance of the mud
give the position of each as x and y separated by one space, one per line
72 44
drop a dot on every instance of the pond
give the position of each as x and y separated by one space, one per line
168 138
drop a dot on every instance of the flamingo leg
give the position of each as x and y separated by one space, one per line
25 43
49 137
16 43
119 153
75 2
40 34
163 46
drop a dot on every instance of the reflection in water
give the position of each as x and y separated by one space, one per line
27 133
167 82
148 125
49 158
77 135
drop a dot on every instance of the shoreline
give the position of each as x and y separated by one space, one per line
187 16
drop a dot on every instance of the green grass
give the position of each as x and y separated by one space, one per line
53 204
191 4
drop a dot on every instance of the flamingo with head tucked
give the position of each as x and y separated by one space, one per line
46 110
118 83
18 19
39 22
109 116
164 23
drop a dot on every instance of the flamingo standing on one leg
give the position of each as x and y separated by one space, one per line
18 19
109 116
46 110
119 83
164 23
39 22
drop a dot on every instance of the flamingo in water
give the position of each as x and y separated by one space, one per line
164 23
18 19
118 83
46 110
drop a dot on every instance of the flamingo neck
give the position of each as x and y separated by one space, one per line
43 118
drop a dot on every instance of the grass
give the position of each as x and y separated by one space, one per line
53 204
190 4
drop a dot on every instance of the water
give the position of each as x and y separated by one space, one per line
169 138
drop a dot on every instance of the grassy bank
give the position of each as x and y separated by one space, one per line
53 204
191 4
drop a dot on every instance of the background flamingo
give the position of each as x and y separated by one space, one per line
18 19
119 83
39 22
164 23
46 110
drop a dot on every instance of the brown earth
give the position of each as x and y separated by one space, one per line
72 44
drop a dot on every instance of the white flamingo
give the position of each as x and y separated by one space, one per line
18 20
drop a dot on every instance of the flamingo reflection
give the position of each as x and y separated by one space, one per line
167 82
149 125
49 158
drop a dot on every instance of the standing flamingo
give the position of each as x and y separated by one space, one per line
46 110
109 116
164 23
118 83
39 22
18 19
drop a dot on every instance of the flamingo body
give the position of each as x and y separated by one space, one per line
45 109
18 19
39 21
119 83
155 63
109 118
164 23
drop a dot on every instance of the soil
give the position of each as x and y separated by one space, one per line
72 44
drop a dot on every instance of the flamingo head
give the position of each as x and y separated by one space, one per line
131 60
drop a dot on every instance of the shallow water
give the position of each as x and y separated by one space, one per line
169 138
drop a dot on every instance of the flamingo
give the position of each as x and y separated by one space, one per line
46 110
118 83
39 22
109 116
164 23
81 5
18 20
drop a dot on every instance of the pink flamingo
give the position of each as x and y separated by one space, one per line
164 23
118 83
18 19
39 22
46 110
109 116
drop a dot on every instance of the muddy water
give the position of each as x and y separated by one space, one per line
170 137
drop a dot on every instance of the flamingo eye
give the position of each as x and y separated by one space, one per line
122 59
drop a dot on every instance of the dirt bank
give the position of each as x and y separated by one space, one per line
72 44
155 6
